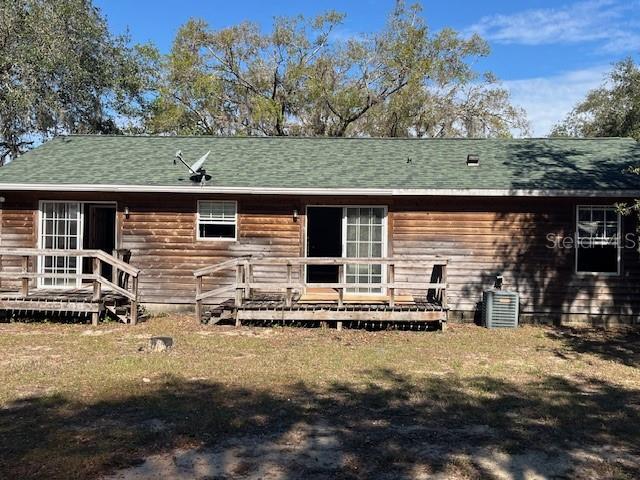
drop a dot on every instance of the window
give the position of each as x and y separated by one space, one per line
364 239
597 240
217 220
60 228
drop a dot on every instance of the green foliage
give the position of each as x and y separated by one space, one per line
61 71
613 110
301 79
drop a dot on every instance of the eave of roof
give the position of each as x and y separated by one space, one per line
384 192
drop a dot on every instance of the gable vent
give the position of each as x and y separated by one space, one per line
473 160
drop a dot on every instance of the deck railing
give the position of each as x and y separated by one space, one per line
25 275
245 282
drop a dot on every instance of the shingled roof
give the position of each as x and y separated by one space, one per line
348 165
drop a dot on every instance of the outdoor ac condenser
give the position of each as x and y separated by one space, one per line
500 308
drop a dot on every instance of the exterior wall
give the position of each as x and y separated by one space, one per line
18 219
162 238
508 236
483 237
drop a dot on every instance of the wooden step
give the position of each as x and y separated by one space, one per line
119 312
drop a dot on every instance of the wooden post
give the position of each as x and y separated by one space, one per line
289 296
239 281
341 289
134 303
248 271
24 290
392 280
114 269
97 271
198 301
443 293
339 326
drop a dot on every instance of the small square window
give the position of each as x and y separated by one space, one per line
217 220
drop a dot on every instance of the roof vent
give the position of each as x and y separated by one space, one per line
473 160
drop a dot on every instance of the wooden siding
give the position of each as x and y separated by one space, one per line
509 237
165 247
483 237
18 228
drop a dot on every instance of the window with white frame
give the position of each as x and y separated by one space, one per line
217 220
60 229
598 239
364 238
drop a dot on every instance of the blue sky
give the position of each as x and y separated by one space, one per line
548 53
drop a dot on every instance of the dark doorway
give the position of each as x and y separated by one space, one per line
324 239
99 233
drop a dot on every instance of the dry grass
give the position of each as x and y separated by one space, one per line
78 402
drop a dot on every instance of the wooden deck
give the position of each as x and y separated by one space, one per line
116 295
74 301
274 308
287 299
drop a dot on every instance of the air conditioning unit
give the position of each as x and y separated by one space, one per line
500 308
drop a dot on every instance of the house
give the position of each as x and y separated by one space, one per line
442 217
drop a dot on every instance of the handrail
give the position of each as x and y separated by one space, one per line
244 283
96 277
261 260
347 261
220 266
58 252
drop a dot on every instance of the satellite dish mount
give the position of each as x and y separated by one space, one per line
197 173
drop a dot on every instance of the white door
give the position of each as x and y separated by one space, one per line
60 228
364 237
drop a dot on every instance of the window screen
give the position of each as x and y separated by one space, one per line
217 220
598 239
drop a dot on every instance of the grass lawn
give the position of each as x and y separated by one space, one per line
82 402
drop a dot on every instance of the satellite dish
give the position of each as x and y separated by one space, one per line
197 173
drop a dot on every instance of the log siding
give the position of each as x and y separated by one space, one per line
482 237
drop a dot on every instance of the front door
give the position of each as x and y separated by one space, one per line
324 239
67 225
347 232
99 233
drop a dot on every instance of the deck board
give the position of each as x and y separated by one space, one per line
64 300
274 308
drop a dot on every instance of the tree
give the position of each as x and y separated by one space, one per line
613 110
300 80
237 80
61 71
475 109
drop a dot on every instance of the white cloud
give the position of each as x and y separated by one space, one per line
611 23
547 100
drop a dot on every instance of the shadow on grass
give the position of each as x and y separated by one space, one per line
388 427
618 345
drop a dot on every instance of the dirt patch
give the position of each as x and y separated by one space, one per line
96 333
316 452
242 332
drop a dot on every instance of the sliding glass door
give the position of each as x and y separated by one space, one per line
60 228
364 237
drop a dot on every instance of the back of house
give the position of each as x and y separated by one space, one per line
541 213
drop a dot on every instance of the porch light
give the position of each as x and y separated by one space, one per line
295 214
126 212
